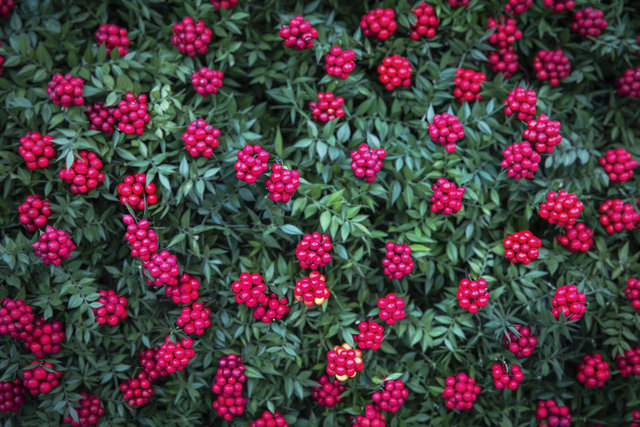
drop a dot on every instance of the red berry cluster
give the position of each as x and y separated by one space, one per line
84 173
522 103
340 63
468 84
636 416
447 197
366 162
372 417
344 362
16 318
521 247
34 212
523 344
398 261
328 392
228 386
249 289
112 37
629 83
506 378
136 192
576 238
629 362
588 22
520 160
313 251
446 129
12 395
269 419
200 138
5 8
426 22
45 338
113 309
391 309
174 357
41 378
460 392
542 133
299 34
89 411
226 4
191 38
282 183
552 65
101 117
632 291
370 335
618 164
163 268
561 208
379 24
137 391
271 307
131 114
252 161
472 294
559 5
552 415
392 397
504 59
185 291
36 149
327 107
395 71
54 245
459 3
195 318
593 372
618 216
141 237
312 289
66 90
569 302
150 364
516 7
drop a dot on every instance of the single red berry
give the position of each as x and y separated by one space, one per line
460 392
391 309
339 63
618 164
468 84
551 65
472 294
112 37
576 238
379 24
395 71
520 160
299 34
66 90
190 37
36 149
588 22
366 162
54 245
426 22
282 183
542 133
113 308
521 247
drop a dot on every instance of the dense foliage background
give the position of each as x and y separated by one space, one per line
219 226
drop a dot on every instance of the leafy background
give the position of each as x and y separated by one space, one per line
219 226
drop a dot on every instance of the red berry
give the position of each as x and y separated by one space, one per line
16 318
344 362
299 34
472 294
185 291
40 379
340 63
593 372
269 419
629 362
542 133
327 108
395 71
522 103
460 392
54 245
66 90
576 238
632 291
112 37
561 208
618 164
228 385
312 289
194 319
200 138
89 409
504 378
398 261
163 268
207 81
149 363
378 24
459 3
12 395
5 8
101 117
366 162
36 150
372 417
629 83
174 356
467 85
568 302
131 114
137 391
313 251
447 197
34 212
45 338
516 7
618 216
520 160
504 60
588 22
521 247
506 33
551 65
113 309
370 335
521 344
446 129
328 392
190 37
271 307
282 183
84 174
226 4
391 397
252 162
391 309
426 22
250 289
550 414
142 239
559 5
136 192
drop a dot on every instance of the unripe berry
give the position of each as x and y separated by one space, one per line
344 362
312 290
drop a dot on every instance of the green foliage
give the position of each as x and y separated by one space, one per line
219 226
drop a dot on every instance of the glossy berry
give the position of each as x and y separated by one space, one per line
629 83
618 164
559 5
312 290
629 362
447 197
136 192
299 34
45 338
459 3
561 208
632 291
40 379
12 395
190 37
551 65
372 417
366 162
113 37
391 397
314 250
142 239
472 294
576 238
271 307
16 318
370 335
521 247
516 7
113 308
89 409
228 385
636 419
131 114
569 302
398 261
101 117
229 407
344 362
594 371
328 392
426 22
468 84
252 162
207 81
552 415
185 291
250 289
617 216
54 245
137 391
5 8
163 268
200 138
194 319
175 356
506 33
460 392
150 364
34 212
391 309
395 71
84 174
503 60
446 129
522 103
520 160
225 4
269 419
36 149
542 133
588 22
327 108
379 24
504 378
66 90
521 344
282 183
339 63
